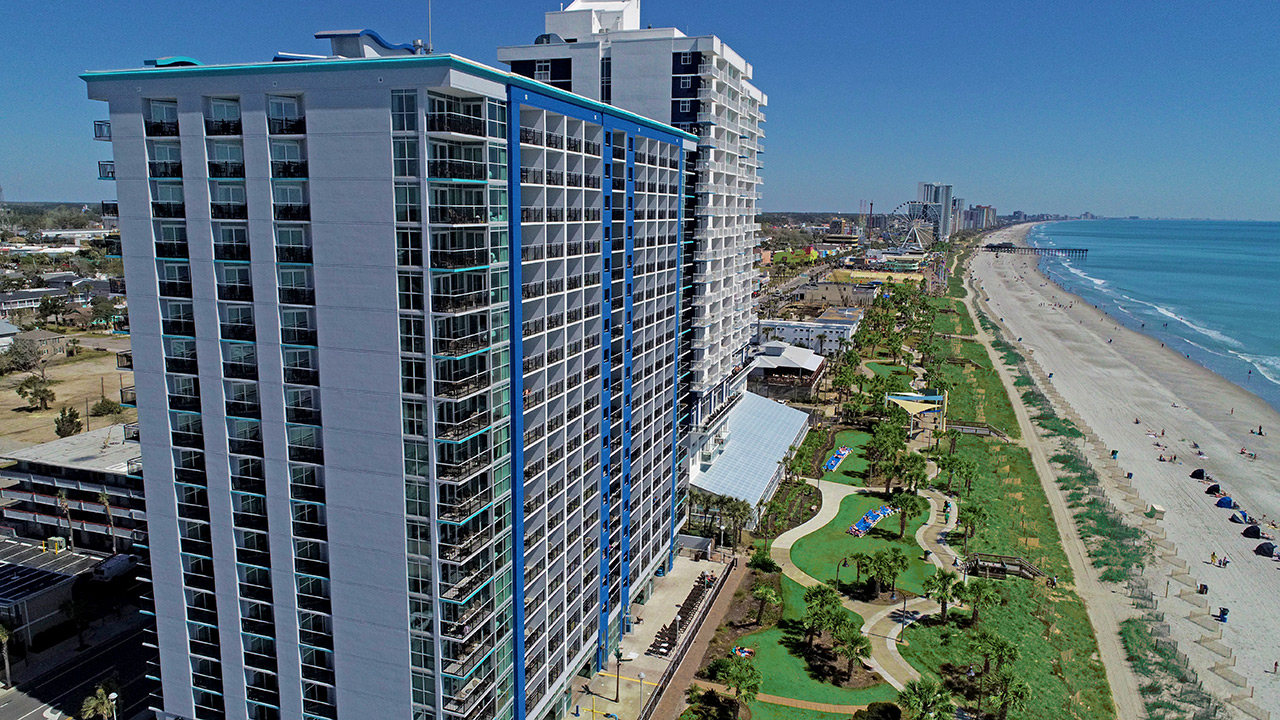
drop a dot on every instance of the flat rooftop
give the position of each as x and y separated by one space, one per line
760 432
101 450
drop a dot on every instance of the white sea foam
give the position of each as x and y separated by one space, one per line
1266 365
1207 332
1083 275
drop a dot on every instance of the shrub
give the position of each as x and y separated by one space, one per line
105 406
761 560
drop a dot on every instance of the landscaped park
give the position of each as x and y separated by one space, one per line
818 631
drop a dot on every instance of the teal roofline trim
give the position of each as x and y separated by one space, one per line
447 61
174 61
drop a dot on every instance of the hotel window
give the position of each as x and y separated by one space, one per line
685 106
409 248
542 70
413 335
408 202
164 111
166 152
606 80
226 152
497 119
686 58
410 291
415 418
283 108
404 110
223 109
405 157
497 162
686 83
289 194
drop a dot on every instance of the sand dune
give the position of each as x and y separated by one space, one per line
1110 384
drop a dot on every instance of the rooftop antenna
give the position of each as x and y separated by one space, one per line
429 43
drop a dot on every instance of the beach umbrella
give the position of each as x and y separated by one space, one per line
1265 549
1253 531
1226 502
1197 474
1213 489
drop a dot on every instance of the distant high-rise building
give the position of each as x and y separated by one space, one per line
406 352
979 217
598 48
939 196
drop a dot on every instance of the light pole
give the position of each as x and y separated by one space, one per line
844 562
617 660
641 692
113 697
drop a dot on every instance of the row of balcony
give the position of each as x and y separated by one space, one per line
239 293
229 210
170 128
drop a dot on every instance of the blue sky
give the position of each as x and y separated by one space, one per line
1144 108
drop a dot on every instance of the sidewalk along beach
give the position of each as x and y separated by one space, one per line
1164 416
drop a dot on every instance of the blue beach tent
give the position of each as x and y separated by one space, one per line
1226 502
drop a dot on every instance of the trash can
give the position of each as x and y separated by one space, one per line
1128 476
1203 589
1222 614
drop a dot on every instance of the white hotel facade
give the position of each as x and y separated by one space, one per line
405 339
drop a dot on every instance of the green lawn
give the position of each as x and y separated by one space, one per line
786 674
887 369
853 469
977 395
818 553
956 323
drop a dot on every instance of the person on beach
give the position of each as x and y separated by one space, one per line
1213 558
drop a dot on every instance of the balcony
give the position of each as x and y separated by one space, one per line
297 296
293 211
530 136
173 250
288 168
302 376
221 169
300 453
106 170
188 403
240 371
175 288
182 438
229 210
455 123
168 209
245 446
459 214
179 326
298 336
302 415
237 331
222 127
235 292
293 254
128 396
160 128
164 169
102 130
110 208
133 467
242 409
181 365
287 126
531 176
124 360
456 170
442 347
231 251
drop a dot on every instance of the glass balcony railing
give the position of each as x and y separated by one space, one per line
455 123
222 127
289 168
128 396
221 169
293 211
293 254
287 126
165 169
168 209
160 128
106 170
102 130
229 210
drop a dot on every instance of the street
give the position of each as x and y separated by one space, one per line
58 693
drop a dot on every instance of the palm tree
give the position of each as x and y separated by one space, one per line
926 698
859 563
105 500
973 517
743 678
5 636
98 705
896 563
911 469
852 645
822 603
767 596
981 592
66 510
78 615
942 587
907 505
1011 693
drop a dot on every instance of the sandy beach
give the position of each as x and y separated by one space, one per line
1111 376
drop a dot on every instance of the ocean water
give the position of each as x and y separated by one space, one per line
1208 289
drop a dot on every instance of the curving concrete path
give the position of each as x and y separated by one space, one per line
881 623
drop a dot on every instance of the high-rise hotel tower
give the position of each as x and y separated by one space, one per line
598 48
405 343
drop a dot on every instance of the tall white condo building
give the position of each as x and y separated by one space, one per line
599 49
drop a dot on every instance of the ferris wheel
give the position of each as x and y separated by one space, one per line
914 225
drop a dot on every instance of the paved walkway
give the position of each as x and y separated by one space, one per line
881 623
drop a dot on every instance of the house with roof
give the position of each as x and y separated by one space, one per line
8 331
